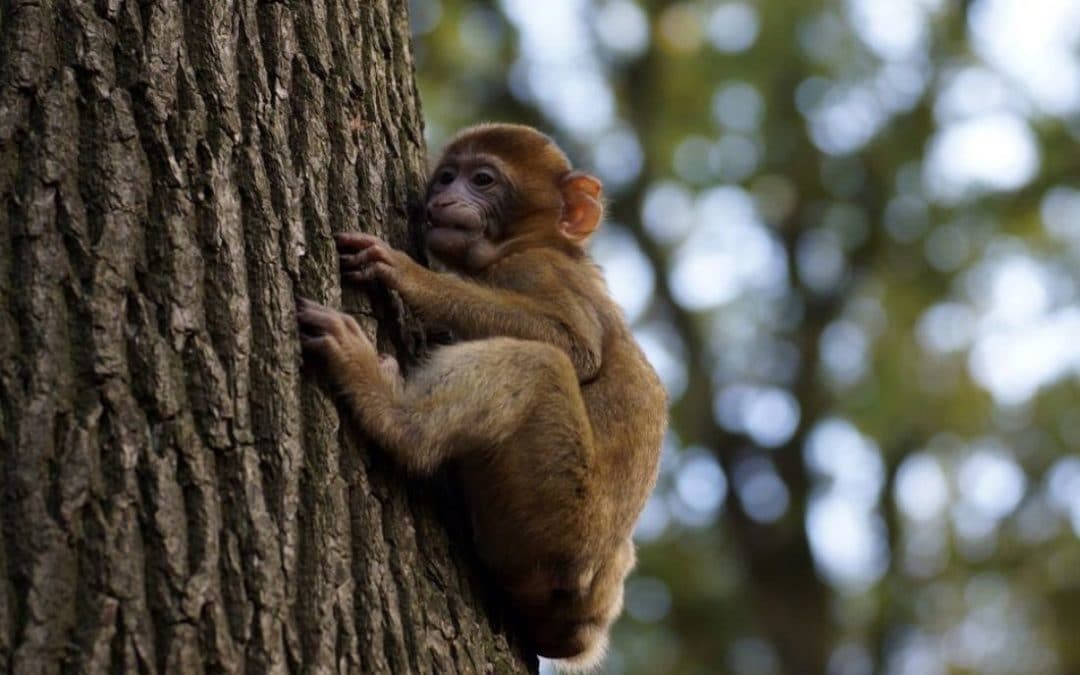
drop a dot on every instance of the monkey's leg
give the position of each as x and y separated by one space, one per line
515 403
469 398
511 410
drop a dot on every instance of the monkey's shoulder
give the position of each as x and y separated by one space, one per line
541 271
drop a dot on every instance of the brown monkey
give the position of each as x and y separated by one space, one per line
547 403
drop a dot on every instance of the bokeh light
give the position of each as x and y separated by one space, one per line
848 237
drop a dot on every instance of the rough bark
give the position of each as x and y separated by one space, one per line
175 496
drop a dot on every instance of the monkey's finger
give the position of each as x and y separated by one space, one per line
319 320
309 315
312 308
317 352
303 303
352 326
354 241
367 272
308 329
381 253
350 262
315 343
359 276
364 258
377 271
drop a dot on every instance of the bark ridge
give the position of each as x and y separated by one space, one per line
175 496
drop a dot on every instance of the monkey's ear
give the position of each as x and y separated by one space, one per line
583 197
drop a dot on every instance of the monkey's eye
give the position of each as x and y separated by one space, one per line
445 176
482 178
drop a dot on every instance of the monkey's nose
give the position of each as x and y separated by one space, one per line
439 205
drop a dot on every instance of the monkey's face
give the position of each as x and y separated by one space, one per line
477 201
467 202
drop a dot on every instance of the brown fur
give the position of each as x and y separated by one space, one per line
547 402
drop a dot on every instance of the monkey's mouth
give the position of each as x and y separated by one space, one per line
453 221
448 232
453 226
449 238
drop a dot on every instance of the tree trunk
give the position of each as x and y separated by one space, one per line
175 496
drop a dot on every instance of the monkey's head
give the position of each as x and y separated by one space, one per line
498 184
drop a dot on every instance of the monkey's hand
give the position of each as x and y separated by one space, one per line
330 338
364 257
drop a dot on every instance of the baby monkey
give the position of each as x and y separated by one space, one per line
546 402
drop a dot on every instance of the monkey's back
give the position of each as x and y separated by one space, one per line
627 407
625 401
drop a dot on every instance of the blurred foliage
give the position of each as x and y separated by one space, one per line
848 235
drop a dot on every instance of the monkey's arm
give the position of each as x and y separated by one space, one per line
473 310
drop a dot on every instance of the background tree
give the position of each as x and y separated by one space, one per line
174 496
848 234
